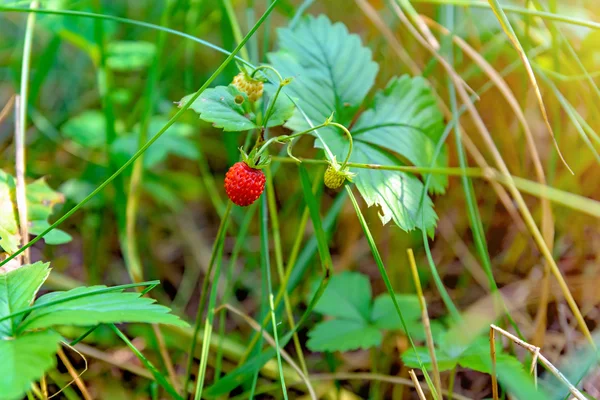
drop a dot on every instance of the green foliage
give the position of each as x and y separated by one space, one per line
334 73
17 291
26 354
41 200
228 108
477 357
87 129
9 228
93 305
24 360
175 141
332 70
130 56
358 319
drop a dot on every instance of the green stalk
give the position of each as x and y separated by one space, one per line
518 10
160 379
235 27
204 291
266 266
279 265
208 324
388 285
142 149
20 124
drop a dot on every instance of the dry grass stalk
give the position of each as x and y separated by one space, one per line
537 356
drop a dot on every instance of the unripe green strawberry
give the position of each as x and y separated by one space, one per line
252 87
244 184
334 179
335 175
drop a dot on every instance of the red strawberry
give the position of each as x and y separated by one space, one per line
244 184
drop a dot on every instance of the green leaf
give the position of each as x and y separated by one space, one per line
444 361
218 105
175 141
405 119
343 335
25 360
54 237
126 56
93 305
9 229
384 314
283 108
347 296
332 70
17 291
397 194
87 129
41 199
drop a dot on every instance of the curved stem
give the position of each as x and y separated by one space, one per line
288 138
350 145
262 67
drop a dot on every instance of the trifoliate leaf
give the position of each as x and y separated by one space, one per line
128 56
332 70
85 306
25 360
347 296
17 291
405 118
343 335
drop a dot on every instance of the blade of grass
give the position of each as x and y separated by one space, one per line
388 285
279 264
512 36
523 208
519 10
20 129
266 269
425 319
160 379
217 246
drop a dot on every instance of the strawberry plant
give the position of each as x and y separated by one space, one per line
284 207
